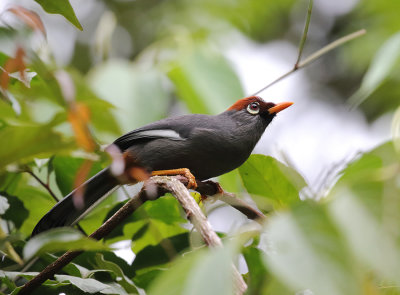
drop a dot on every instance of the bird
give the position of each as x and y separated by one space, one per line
197 145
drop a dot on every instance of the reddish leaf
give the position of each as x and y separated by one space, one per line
12 65
29 17
78 116
80 178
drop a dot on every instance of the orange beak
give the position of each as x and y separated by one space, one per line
279 107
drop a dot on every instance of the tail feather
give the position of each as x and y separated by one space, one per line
65 213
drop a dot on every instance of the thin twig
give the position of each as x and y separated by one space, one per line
305 33
242 206
331 46
311 58
45 185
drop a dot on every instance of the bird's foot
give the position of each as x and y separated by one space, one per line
181 171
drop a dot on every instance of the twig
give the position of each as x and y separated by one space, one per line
243 207
214 190
45 185
305 33
311 58
197 218
331 46
193 211
150 191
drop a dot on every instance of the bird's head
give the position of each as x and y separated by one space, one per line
254 107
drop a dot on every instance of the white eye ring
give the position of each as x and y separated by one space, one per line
253 108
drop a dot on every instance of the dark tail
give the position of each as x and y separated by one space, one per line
64 213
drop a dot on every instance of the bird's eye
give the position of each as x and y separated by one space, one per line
253 108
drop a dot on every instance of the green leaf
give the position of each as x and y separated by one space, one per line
124 281
46 84
231 181
27 142
162 253
259 279
15 212
306 251
4 280
153 222
88 260
60 239
153 232
101 111
138 95
62 7
253 18
95 218
203 272
165 209
365 208
145 278
9 181
257 271
92 285
205 81
36 201
267 177
384 62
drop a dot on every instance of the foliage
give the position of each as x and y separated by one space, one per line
53 120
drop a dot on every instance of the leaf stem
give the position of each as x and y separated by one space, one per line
45 185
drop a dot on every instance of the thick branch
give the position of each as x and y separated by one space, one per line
197 218
193 211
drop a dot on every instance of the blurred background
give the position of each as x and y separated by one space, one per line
139 61
135 62
152 59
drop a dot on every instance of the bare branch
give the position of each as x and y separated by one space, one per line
197 218
242 206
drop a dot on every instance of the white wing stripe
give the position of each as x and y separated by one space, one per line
162 133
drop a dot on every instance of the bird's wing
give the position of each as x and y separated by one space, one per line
175 128
125 141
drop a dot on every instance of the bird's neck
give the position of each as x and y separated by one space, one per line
246 128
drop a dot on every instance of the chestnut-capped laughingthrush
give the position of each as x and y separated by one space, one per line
206 145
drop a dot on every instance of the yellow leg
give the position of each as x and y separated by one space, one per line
181 171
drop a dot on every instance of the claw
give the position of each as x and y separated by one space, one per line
192 184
